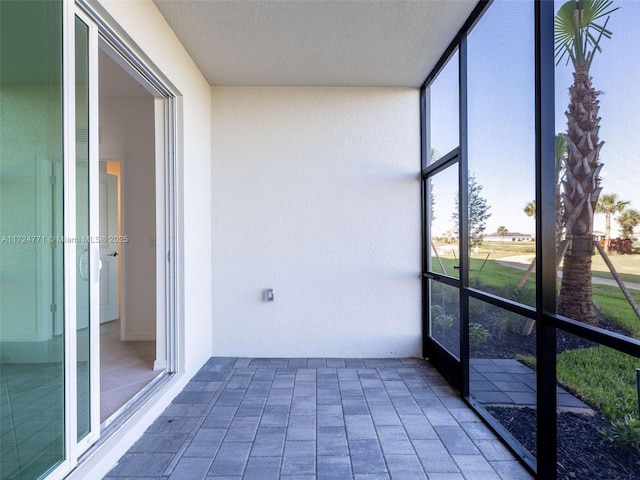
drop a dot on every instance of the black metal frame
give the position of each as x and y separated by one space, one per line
547 428
450 367
454 370
463 215
547 321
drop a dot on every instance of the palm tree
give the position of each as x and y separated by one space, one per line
578 33
502 231
609 205
628 220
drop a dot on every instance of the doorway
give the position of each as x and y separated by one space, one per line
128 232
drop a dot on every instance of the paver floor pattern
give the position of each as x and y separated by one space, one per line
308 418
506 381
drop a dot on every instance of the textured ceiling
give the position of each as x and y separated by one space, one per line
315 42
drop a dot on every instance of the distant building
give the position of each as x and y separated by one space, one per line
509 237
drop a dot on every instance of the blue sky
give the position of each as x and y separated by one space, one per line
501 112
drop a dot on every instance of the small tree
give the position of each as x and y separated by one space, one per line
628 220
530 208
609 205
478 212
502 231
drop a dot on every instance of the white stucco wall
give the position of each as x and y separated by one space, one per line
316 194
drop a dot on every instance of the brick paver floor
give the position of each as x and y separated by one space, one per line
506 381
317 418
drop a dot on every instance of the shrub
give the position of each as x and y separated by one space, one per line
478 334
507 322
623 429
526 296
620 245
443 293
440 319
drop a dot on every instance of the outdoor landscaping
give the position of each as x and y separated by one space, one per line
601 377
596 244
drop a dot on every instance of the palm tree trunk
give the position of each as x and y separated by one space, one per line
581 188
559 217
576 292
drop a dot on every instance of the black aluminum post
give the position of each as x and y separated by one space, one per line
638 388
547 442
463 204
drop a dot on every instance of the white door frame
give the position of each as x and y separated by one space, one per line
72 448
94 232
164 121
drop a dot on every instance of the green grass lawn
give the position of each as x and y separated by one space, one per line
616 309
509 248
610 386
501 280
627 266
601 376
489 274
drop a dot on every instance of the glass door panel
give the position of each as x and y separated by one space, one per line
443 266
445 316
442 212
32 409
444 102
502 369
83 244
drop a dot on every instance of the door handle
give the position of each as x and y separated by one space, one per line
83 264
114 254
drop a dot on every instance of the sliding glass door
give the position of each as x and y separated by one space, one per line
32 331
86 268
48 263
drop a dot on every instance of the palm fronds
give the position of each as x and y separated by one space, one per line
579 28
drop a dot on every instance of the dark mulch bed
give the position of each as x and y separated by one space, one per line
514 343
581 452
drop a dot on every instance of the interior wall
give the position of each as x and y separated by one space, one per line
30 177
316 194
127 134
